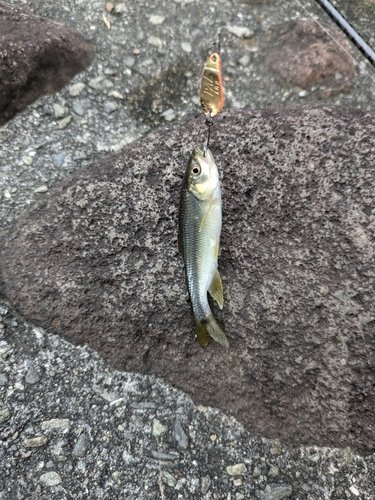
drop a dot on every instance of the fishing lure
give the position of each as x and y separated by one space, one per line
212 91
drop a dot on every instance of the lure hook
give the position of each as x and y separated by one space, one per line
209 122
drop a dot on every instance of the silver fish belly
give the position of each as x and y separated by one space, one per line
199 241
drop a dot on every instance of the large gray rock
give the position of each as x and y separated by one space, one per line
37 57
96 261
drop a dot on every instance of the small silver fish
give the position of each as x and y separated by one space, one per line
199 241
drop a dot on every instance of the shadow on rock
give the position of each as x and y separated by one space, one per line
161 92
96 262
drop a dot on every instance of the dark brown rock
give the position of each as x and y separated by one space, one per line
96 262
37 57
305 55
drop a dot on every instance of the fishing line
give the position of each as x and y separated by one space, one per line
209 122
336 41
349 30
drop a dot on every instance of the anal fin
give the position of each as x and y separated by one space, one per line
216 290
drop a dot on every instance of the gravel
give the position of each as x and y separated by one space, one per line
70 425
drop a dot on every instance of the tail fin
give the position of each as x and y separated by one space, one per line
200 330
211 327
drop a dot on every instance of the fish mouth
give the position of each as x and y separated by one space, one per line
200 151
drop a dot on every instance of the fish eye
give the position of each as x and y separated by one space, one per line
196 170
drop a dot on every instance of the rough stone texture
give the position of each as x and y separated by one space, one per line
96 261
37 57
305 56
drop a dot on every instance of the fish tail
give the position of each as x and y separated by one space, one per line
200 330
214 331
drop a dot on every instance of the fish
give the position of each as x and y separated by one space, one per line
199 241
212 91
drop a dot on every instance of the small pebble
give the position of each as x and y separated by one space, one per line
79 108
162 455
168 115
237 482
39 144
276 492
168 478
80 447
32 376
129 62
27 160
58 160
186 46
100 83
354 490
158 429
116 95
55 423
144 405
64 122
76 89
59 111
41 189
4 415
236 470
3 380
155 41
244 60
205 484
156 19
109 107
275 451
274 471
50 478
256 472
136 51
180 435
35 442
120 8
240 31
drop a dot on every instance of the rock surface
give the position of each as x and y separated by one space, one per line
306 55
37 57
96 261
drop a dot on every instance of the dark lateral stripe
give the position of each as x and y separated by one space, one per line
349 31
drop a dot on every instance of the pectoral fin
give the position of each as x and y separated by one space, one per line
216 290
205 217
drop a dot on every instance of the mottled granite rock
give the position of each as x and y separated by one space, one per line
96 261
305 55
37 57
